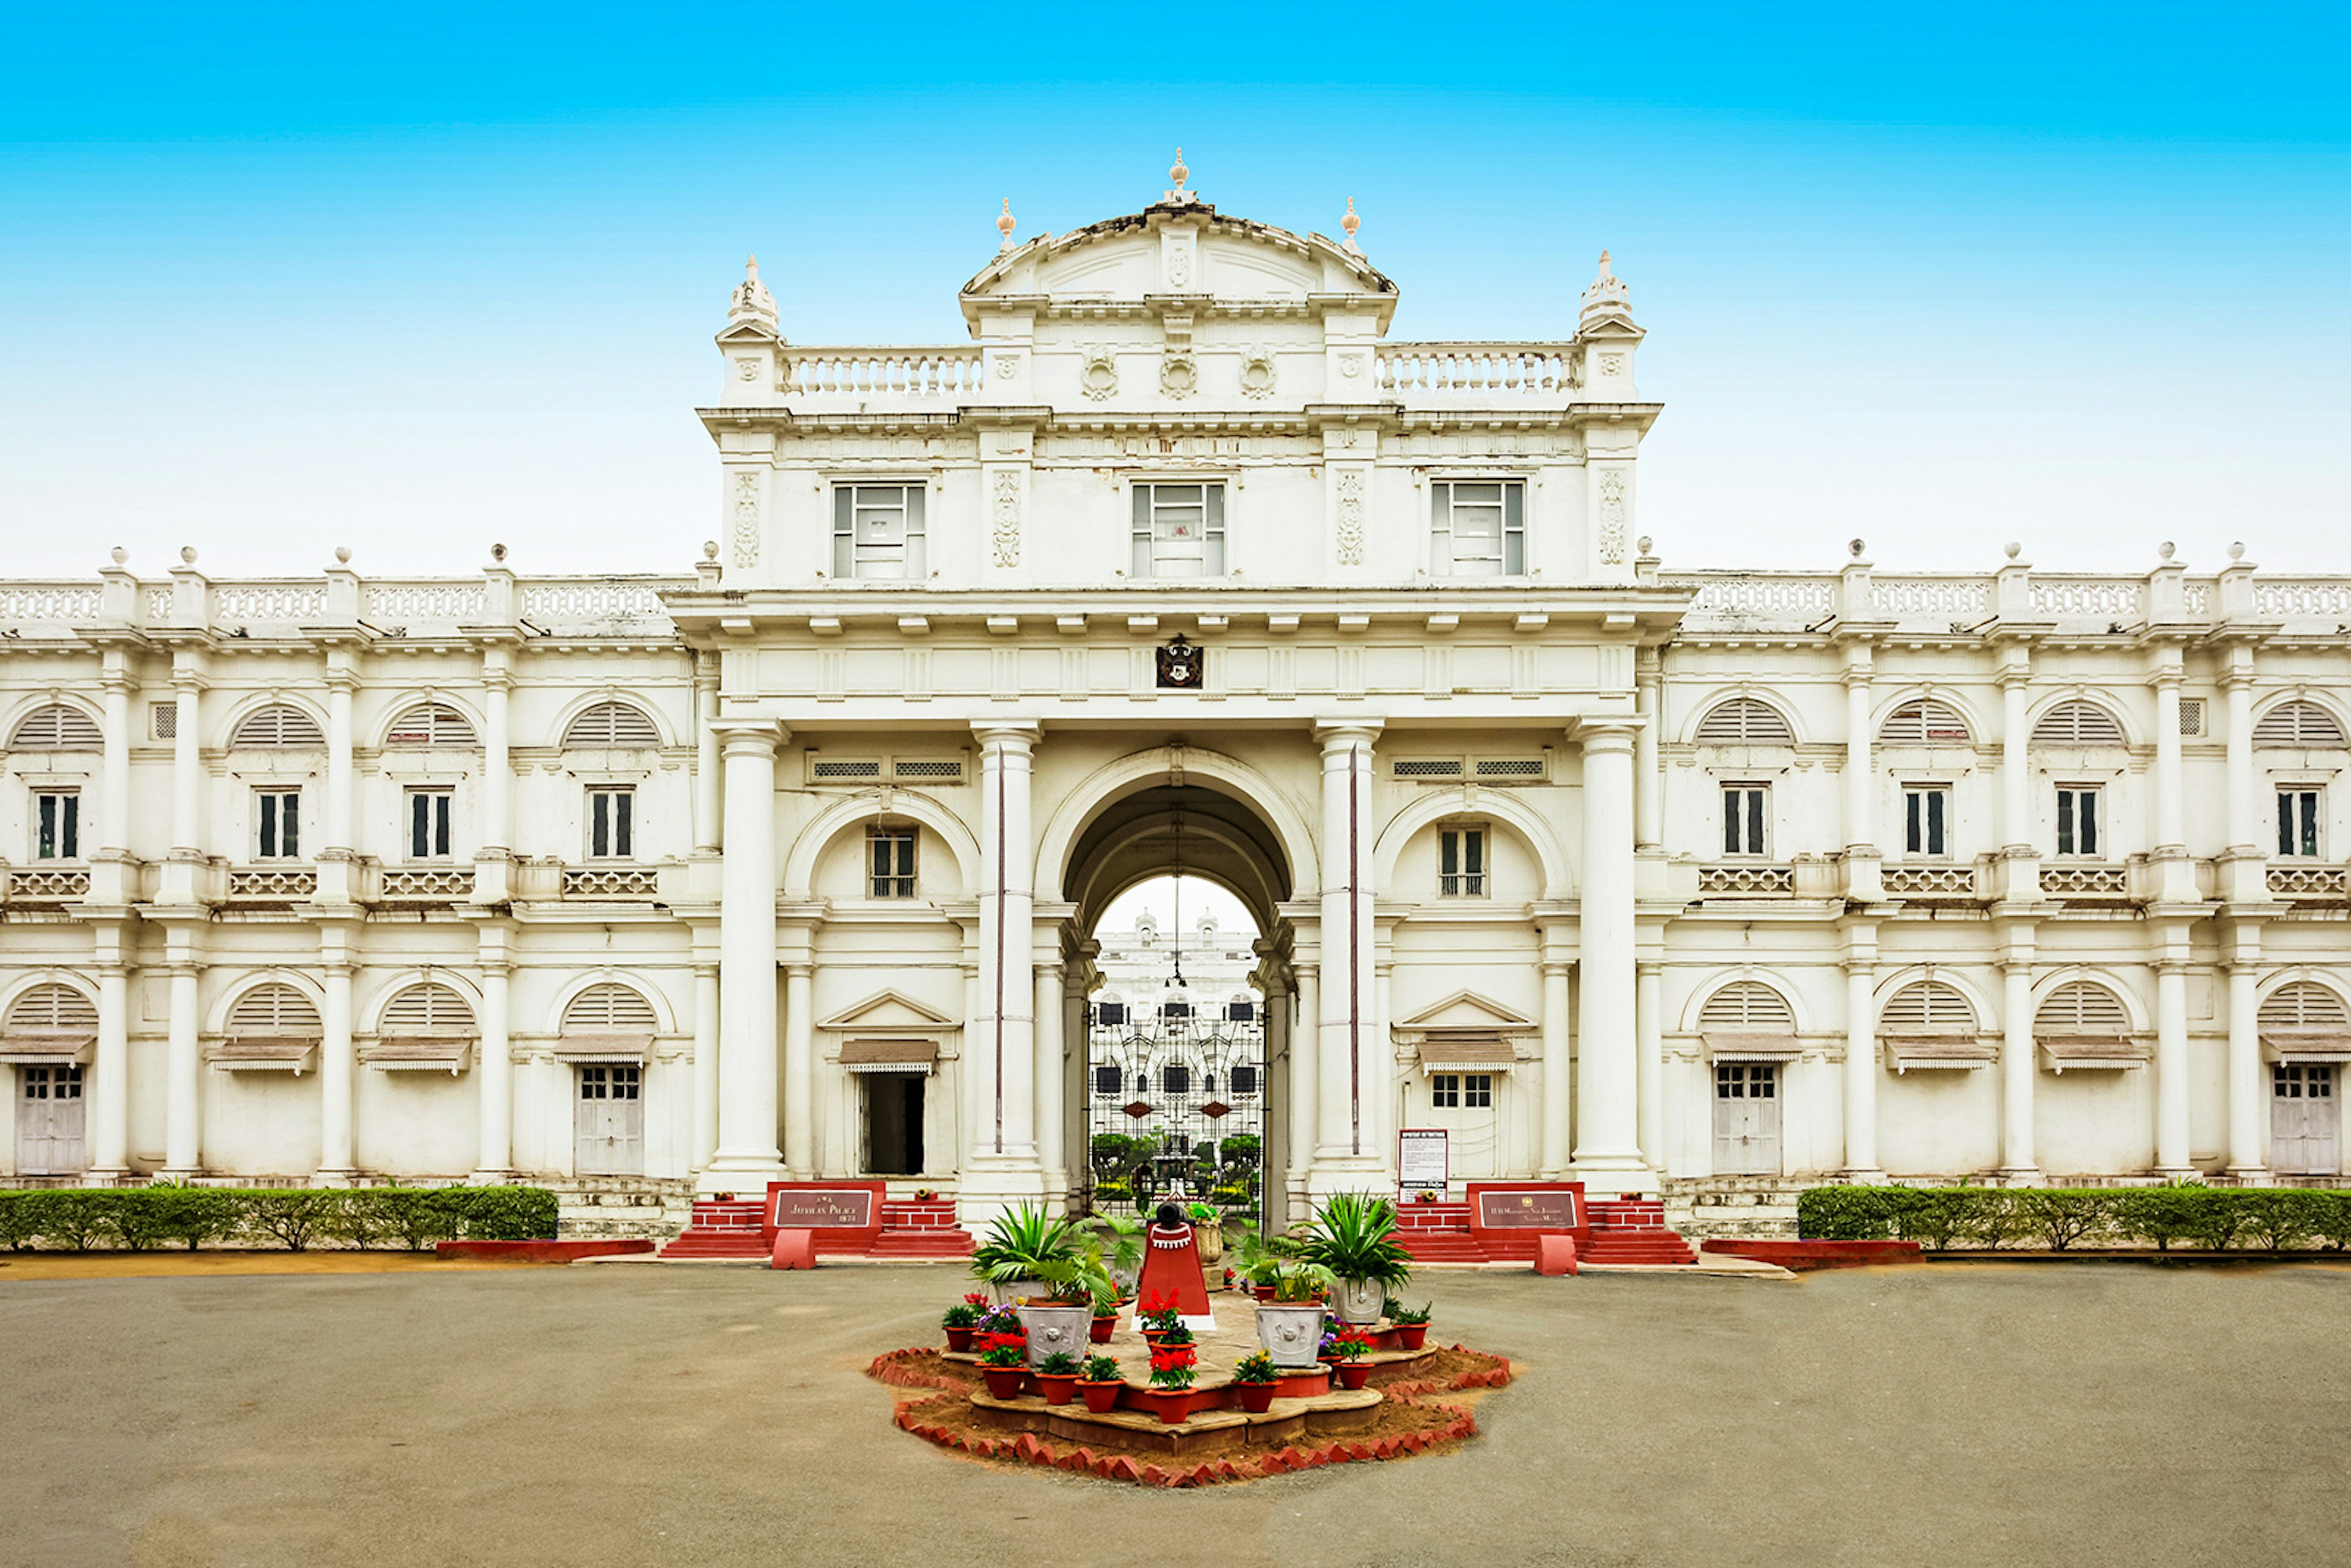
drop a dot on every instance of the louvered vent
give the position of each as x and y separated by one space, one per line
1747 1006
2297 724
1926 1007
428 1009
1508 769
824 769
928 769
57 727
1531 768
2081 1008
2191 717
1426 768
53 1008
2302 1004
278 727
1745 721
608 1009
430 724
275 1011
1924 723
163 721
612 724
2077 724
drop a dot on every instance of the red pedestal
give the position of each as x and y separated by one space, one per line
1171 1270
794 1249
1554 1253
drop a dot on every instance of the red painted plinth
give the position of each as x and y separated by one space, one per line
1554 1253
794 1249
543 1251
1799 1256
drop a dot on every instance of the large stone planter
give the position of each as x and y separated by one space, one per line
1359 1301
1290 1332
1209 1235
1057 1328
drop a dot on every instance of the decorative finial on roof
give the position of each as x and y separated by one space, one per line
2011 549
343 555
1179 197
1606 298
2237 551
2167 549
120 554
751 301
1004 225
1351 223
1857 547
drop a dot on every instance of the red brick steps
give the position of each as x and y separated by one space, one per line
1624 1230
911 1230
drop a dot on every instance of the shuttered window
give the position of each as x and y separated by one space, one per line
1925 722
1926 1007
2302 1004
280 728
428 1009
57 727
2077 724
2081 1008
53 1009
612 724
430 725
1745 721
1747 1006
276 1011
877 530
2297 724
608 1009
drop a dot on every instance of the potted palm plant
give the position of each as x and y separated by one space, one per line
1019 1243
1101 1384
1354 1236
1056 1378
1059 1317
1290 1326
1253 1378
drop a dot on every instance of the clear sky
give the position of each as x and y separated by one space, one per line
414 278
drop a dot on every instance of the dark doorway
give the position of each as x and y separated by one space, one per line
894 1123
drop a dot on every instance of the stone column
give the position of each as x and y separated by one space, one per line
705 752
1558 1053
1650 1016
747 959
2017 1067
1650 778
1052 1146
493 1089
1607 1128
109 1106
2171 1057
183 1062
335 1063
336 840
114 803
2244 828
800 1071
2018 850
1863 853
706 1062
497 767
1861 1058
2175 872
2248 1101
1003 1168
1344 1045
1305 1080
187 855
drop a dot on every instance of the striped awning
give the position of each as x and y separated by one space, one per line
47 1048
890 1055
421 1053
2324 1044
297 1054
1753 1047
1447 1050
621 1050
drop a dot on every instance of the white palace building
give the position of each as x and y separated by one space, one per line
1675 881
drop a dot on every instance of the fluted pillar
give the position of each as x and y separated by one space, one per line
1346 1149
746 958
1004 1167
1607 1121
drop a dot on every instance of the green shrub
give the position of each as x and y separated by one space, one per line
2214 1218
190 1216
2061 1216
73 1218
139 1218
2330 1218
2282 1219
2162 1215
500 1213
294 1218
15 1233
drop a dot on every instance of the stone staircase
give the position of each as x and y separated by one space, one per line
1745 1206
1624 1230
1633 1230
912 1231
598 1209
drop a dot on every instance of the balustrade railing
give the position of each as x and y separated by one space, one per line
288 601
2314 884
21 884
1943 601
426 885
1504 370
1754 597
271 884
597 599
2109 599
1929 882
1746 880
945 372
52 604
2303 599
2085 882
610 883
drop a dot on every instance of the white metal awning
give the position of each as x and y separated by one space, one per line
623 1050
1451 1050
446 1053
40 1048
890 1055
2326 1042
1743 1046
2091 1053
1935 1052
265 1053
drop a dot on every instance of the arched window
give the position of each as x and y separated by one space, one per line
430 725
2302 1004
1747 1006
427 1009
2081 1010
2077 722
275 1010
1924 722
2303 724
1928 1007
57 727
608 1009
52 1010
611 725
278 726
1745 721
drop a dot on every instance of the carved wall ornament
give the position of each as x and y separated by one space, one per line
1007 366
1179 265
1351 516
1005 534
1257 373
1179 373
1351 365
1611 516
1182 668
746 369
1100 378
1612 364
747 518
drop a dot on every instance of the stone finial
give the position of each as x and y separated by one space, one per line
1646 544
2011 549
1351 223
2166 549
751 302
1606 300
343 555
498 554
2237 549
119 555
1176 172
710 549
1854 547
187 555
1004 225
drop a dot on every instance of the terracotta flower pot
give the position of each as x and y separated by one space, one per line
1102 1399
1352 1374
1257 1398
1151 1337
959 1339
1264 1292
1172 1404
1101 1331
1004 1382
1411 1336
1056 1386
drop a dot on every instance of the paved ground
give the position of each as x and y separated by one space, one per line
631 1414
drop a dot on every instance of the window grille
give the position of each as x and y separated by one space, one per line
613 725
57 727
878 531
889 852
1745 721
1179 530
1461 863
2297 724
2078 724
162 721
430 725
279 727
1478 527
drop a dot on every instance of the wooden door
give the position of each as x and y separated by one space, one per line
610 1132
2306 1119
49 1139
1747 1118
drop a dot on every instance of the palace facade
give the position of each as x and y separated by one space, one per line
1668 879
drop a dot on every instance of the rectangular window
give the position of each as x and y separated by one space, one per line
1461 863
890 853
276 824
611 824
1244 1080
877 531
2077 819
1477 1091
1477 529
1445 1090
1742 819
2298 821
428 825
56 824
1926 809
1179 530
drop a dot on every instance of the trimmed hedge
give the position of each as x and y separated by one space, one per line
79 1219
2213 1218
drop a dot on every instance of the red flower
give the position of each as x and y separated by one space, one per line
1167 1358
1159 1301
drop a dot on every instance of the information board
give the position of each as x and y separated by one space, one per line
1530 1209
1423 1161
822 1208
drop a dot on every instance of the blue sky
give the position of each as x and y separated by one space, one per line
418 279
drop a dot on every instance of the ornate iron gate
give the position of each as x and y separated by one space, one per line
1176 1093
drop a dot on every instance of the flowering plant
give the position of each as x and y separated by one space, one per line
1179 1334
1004 1353
1329 1348
1351 1346
1102 1369
962 1315
1159 1314
1172 1366
1257 1367
1000 1323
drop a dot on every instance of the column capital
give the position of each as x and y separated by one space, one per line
1336 735
1608 733
1008 734
749 736
1860 664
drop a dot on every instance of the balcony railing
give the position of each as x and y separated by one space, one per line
1928 883
607 884
1747 882
426 885
1445 371
848 374
2085 883
37 886
2314 884
268 886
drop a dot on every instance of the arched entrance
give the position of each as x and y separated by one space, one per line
1179 1028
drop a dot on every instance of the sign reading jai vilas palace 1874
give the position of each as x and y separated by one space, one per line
1668 881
